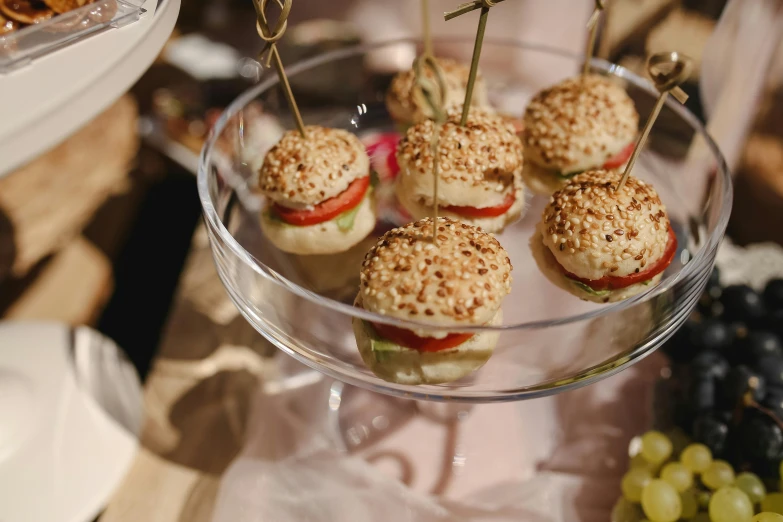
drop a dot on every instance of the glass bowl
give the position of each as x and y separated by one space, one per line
550 341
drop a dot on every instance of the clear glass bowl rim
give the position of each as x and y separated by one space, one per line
691 269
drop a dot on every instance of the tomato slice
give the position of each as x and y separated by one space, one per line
617 282
326 210
409 339
495 211
620 158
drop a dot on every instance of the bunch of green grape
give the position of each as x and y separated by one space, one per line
660 488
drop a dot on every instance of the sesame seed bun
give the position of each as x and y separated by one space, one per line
323 238
460 281
418 210
480 164
301 172
594 231
578 124
406 105
407 366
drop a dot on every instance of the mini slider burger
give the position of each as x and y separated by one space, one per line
460 281
406 104
604 245
480 167
584 123
318 191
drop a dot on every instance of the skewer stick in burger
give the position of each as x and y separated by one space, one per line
480 170
406 103
460 281
583 123
318 190
601 244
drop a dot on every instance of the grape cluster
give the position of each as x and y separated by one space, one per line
726 387
697 487
721 459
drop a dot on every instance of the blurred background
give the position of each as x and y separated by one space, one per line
104 229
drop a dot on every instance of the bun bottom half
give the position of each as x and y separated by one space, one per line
493 225
323 238
546 182
541 180
408 366
548 265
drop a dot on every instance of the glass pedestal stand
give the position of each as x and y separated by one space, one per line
550 341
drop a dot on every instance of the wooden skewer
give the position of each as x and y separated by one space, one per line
434 93
468 7
592 25
426 31
668 71
484 5
271 36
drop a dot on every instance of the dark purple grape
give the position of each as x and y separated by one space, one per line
712 335
742 303
683 416
769 472
716 310
713 292
710 363
771 369
738 330
711 432
760 344
760 437
773 294
773 322
680 348
735 353
724 416
774 401
709 304
704 307
738 381
701 393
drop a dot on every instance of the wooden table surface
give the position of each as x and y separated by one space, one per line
197 399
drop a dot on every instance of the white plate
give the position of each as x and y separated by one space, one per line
56 94
70 410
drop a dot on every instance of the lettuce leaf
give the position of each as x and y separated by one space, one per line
381 348
599 293
567 176
346 220
587 289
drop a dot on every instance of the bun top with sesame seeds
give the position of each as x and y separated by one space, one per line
406 103
301 172
479 164
594 231
579 123
460 280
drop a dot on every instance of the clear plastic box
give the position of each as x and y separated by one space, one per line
21 47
